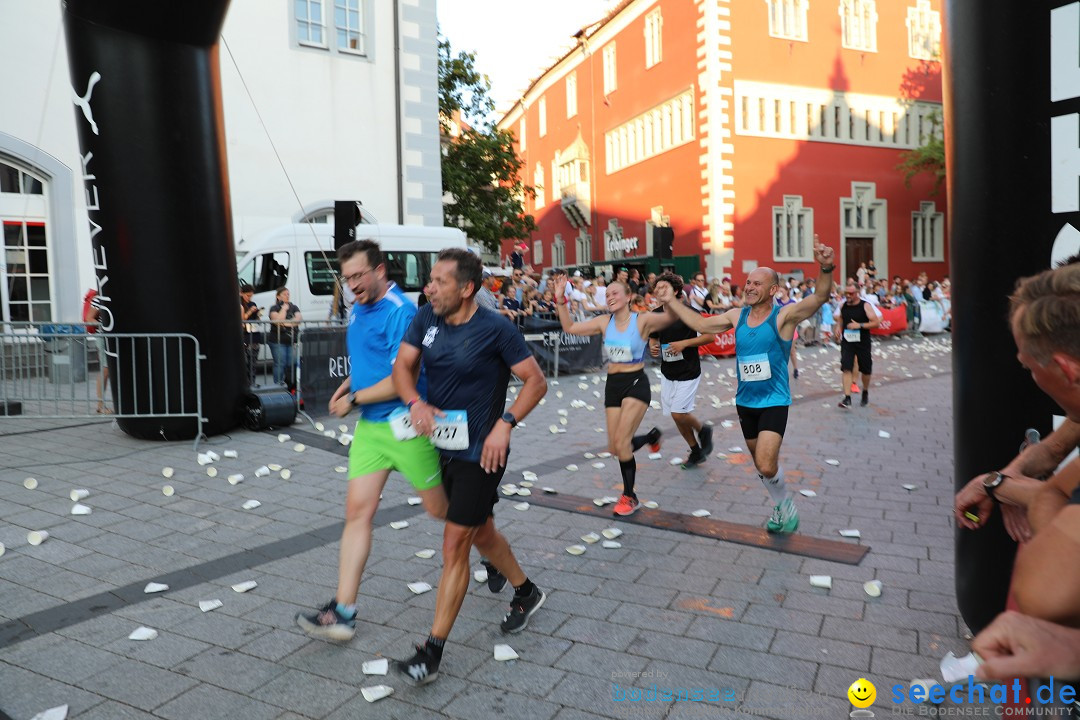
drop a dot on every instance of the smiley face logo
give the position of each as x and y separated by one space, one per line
862 693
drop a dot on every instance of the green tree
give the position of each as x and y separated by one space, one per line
480 170
928 157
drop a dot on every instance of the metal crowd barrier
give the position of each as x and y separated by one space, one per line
57 371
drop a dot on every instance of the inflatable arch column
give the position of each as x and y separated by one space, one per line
1012 130
147 94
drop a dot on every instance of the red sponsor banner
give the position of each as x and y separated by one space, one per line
723 345
893 321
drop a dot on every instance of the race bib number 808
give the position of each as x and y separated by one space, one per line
754 368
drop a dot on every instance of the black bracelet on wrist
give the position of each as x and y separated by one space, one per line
828 269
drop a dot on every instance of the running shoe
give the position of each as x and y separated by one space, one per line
626 506
705 440
784 519
328 623
695 458
854 389
521 609
653 438
496 580
865 399
421 668
845 403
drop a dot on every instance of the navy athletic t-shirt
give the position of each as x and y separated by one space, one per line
468 368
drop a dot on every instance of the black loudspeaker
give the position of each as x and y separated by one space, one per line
269 407
346 218
663 238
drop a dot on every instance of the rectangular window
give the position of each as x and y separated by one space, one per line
858 25
538 186
924 31
610 78
321 271
927 234
542 112
349 26
310 23
571 95
408 269
538 252
793 230
787 19
654 50
29 292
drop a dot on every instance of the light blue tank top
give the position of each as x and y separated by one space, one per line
627 346
761 361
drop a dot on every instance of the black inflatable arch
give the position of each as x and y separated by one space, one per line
151 133
1012 94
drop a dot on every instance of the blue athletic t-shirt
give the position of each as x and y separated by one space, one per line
373 339
468 368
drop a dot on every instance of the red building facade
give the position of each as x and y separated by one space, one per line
743 127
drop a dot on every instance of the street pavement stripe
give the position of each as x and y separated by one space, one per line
795 544
59 617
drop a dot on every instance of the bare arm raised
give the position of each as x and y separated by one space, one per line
714 324
792 315
592 326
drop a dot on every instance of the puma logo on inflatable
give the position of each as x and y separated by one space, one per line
84 101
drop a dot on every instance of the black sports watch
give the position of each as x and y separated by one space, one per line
509 417
992 482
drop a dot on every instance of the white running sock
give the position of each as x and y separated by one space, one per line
776 486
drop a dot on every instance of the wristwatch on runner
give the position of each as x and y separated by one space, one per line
509 418
992 482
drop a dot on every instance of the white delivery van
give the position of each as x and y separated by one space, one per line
301 258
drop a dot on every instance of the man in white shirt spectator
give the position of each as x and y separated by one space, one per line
698 292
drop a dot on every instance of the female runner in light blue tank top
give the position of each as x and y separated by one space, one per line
763 338
627 393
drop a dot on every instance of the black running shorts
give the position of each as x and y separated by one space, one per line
472 493
626 385
755 420
850 351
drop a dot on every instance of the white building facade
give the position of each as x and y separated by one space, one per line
344 92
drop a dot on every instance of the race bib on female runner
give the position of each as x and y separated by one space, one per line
666 354
852 335
754 368
619 353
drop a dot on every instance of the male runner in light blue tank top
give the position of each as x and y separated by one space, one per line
763 336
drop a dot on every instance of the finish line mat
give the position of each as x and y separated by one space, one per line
795 544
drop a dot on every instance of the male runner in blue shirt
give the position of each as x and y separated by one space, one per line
468 353
763 337
377 322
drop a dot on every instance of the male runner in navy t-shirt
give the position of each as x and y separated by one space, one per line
468 354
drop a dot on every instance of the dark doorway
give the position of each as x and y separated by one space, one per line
857 250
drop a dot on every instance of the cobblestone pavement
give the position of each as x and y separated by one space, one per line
740 623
